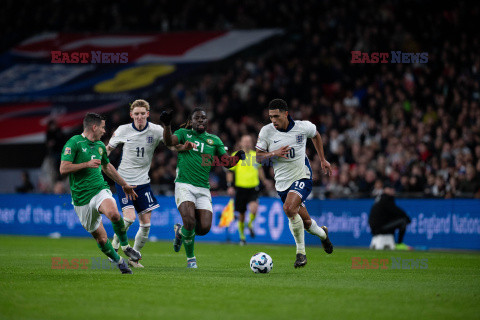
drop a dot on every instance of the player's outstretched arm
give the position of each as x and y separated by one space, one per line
262 156
67 167
112 173
169 139
318 143
188 145
231 161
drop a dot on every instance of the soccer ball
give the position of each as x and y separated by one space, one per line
261 263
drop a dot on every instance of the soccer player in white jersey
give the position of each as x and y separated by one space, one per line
139 138
282 144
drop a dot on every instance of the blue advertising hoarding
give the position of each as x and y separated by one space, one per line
453 224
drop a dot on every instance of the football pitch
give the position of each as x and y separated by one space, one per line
447 286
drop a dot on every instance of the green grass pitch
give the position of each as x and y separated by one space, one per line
224 287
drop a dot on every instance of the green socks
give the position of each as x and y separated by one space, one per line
250 221
241 226
121 232
188 239
108 250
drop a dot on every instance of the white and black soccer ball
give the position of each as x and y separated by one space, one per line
261 263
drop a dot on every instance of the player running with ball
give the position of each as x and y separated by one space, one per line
192 189
283 144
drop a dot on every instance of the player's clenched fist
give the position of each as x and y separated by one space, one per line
189 145
94 163
166 117
326 167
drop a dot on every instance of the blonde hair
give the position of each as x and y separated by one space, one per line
139 103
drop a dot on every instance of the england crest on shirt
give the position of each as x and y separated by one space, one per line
150 139
299 138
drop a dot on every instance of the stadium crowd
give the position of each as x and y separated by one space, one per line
413 126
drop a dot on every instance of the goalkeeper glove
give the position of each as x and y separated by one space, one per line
166 117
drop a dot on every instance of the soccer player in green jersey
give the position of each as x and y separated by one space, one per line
81 158
192 189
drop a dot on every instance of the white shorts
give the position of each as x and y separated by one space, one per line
89 215
187 192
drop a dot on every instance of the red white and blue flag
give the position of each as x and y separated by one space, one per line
41 78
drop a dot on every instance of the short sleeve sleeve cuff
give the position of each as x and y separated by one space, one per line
311 129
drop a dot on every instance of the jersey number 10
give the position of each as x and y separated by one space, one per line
291 154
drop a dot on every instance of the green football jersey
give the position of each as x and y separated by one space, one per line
85 183
193 166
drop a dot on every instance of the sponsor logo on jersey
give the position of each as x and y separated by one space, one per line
84 149
299 138
275 141
67 151
189 135
210 141
100 150
150 139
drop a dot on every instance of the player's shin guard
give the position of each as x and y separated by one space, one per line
108 250
142 236
116 241
296 228
316 230
188 239
121 232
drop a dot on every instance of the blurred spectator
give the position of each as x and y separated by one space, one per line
470 181
27 185
55 139
60 187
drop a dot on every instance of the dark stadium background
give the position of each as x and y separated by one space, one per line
415 126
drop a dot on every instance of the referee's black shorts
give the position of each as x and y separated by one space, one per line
243 196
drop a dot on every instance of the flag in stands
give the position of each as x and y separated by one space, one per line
227 215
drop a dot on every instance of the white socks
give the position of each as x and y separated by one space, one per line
316 230
142 236
296 228
116 241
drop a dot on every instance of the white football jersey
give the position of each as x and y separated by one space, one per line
138 148
297 166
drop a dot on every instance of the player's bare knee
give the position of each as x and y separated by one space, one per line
203 230
102 239
290 211
189 223
115 216
307 223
